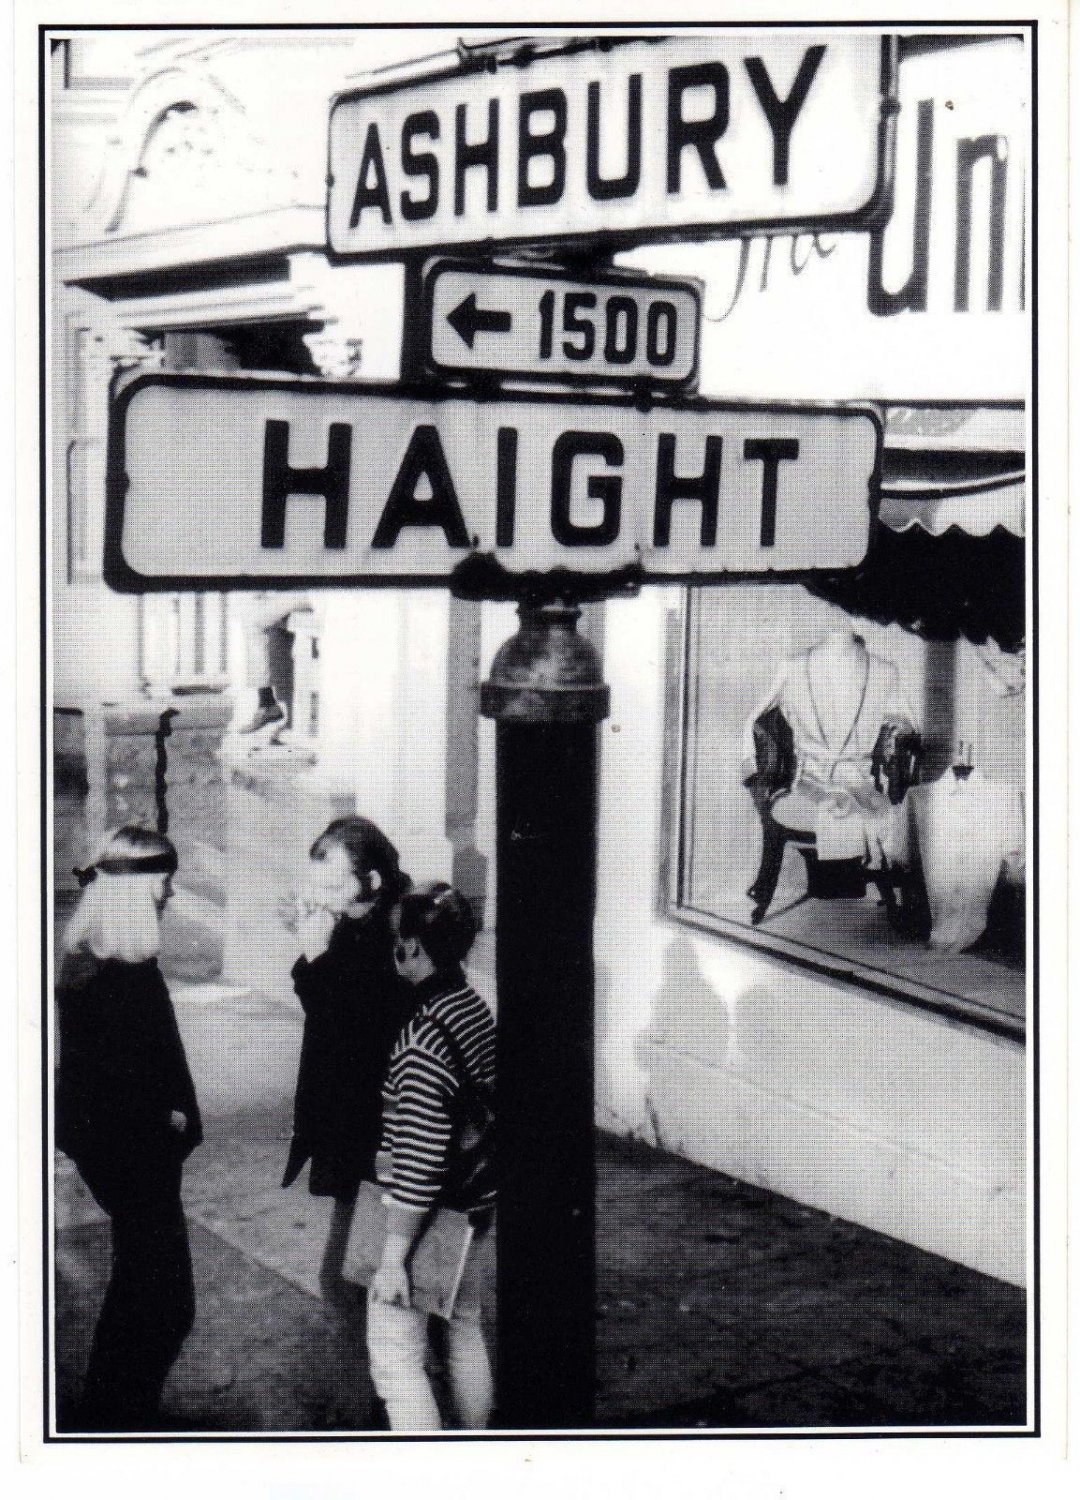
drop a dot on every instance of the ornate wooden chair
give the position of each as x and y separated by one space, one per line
894 766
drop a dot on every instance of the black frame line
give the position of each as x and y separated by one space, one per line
875 210
940 403
1036 1028
966 30
875 23
124 579
574 1434
45 780
613 276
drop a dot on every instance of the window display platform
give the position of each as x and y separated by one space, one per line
862 947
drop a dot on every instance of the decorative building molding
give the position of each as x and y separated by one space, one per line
331 297
96 349
184 150
127 349
337 356
264 302
102 346
244 236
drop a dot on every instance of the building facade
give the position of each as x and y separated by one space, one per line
866 1061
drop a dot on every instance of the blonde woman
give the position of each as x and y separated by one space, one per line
127 1116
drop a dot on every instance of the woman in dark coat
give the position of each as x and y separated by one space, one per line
353 1001
127 1116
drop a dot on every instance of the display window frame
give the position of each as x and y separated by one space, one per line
682 708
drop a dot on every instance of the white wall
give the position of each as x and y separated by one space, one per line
857 1104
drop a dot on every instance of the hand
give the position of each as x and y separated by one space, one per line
315 928
178 1121
390 1284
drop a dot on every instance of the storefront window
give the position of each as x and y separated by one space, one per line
852 797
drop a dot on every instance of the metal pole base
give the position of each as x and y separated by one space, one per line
547 695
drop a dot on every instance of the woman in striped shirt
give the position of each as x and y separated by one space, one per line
450 1034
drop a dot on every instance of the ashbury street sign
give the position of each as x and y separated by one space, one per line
549 325
226 481
624 142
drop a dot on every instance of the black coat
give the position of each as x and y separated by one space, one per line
122 1072
353 1005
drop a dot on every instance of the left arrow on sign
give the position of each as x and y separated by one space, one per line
467 320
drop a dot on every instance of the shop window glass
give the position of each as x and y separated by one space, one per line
842 747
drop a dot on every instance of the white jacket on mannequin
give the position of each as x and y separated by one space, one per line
836 697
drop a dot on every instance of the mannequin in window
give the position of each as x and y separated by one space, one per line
963 833
837 698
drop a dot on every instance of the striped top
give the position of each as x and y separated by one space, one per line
420 1094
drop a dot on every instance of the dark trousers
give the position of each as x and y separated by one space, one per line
147 1313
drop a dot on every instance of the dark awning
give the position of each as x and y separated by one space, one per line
961 466
938 585
948 555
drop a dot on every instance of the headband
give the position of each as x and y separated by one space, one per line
125 864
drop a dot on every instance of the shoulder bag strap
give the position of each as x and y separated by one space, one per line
476 1105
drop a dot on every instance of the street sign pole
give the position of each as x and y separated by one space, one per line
412 337
547 696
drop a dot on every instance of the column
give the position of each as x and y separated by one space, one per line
547 696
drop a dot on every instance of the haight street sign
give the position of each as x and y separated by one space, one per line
237 482
622 141
550 325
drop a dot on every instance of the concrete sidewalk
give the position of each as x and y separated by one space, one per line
719 1305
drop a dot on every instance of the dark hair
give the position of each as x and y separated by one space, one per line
368 850
440 919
